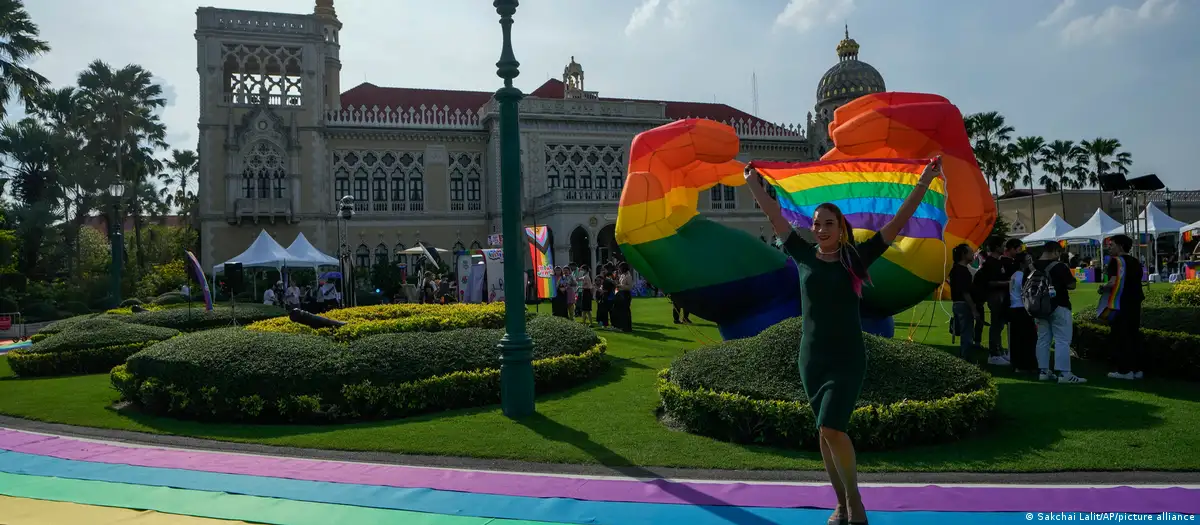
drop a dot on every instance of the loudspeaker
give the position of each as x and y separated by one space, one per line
234 277
1113 182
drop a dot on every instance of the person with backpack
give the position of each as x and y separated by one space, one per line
966 316
1022 330
1125 281
1047 298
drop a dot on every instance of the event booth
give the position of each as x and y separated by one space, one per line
1052 231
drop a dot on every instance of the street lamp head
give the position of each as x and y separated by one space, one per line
347 207
1167 194
117 189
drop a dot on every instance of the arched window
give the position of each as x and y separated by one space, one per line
476 246
401 257
362 256
381 254
264 174
459 247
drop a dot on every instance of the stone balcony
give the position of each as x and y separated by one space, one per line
257 209
576 197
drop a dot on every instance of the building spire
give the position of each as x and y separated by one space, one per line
847 49
324 8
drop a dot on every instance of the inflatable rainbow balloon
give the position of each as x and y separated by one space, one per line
735 280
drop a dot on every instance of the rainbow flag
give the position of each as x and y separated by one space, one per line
543 260
198 274
869 192
1110 302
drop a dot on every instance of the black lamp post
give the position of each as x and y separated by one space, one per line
116 241
516 348
345 213
1167 198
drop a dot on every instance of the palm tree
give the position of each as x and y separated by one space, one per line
1062 159
31 148
990 135
122 103
60 110
19 44
1028 152
182 168
1099 151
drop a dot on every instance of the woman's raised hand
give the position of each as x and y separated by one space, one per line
932 171
750 172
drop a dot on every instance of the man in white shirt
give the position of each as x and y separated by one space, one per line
292 297
269 296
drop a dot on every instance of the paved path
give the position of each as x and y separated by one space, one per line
58 474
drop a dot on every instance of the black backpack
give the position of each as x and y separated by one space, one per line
1035 293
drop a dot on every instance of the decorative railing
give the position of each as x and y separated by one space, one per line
558 195
432 117
243 99
255 21
763 130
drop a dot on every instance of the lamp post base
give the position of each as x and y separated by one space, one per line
516 376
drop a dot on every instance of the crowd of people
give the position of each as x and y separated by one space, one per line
1031 298
313 298
610 288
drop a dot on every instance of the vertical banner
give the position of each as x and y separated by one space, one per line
543 260
478 278
464 275
494 258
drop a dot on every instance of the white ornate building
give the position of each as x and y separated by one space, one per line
280 143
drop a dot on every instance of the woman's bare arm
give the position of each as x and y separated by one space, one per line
910 204
769 207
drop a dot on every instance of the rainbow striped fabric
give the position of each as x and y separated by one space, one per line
1110 303
543 260
869 192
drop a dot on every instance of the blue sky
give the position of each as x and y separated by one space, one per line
1061 69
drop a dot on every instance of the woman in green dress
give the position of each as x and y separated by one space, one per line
833 358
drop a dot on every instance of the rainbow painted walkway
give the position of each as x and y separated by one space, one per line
47 479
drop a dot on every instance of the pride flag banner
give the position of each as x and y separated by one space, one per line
1110 302
198 274
543 260
869 192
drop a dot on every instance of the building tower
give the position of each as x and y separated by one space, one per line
573 82
847 80
263 77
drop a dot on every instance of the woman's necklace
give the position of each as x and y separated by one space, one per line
823 252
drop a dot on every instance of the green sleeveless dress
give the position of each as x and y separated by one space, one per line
833 357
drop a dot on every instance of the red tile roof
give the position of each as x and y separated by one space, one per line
370 95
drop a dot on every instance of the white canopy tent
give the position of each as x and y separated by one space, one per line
1095 229
303 253
1152 221
264 252
1190 227
1052 231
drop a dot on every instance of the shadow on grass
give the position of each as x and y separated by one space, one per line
554 431
259 431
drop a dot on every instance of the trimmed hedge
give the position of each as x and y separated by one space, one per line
65 324
195 319
749 391
90 346
1170 340
245 375
366 321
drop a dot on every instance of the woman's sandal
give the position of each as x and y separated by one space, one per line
838 520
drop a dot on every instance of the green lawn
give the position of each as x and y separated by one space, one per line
1103 425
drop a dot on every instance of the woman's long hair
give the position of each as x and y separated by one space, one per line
848 254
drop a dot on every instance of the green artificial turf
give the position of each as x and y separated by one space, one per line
1103 425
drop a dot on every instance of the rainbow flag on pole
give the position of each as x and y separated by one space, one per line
543 260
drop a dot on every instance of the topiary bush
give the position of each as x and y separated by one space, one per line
89 346
749 391
171 298
1170 340
262 376
196 318
1186 293
366 321
62 325
130 302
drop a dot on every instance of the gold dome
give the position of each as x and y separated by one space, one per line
847 48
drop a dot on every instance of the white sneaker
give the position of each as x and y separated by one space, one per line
998 360
1045 375
1067 378
1138 375
1118 375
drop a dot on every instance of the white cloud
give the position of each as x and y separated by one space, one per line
803 14
676 14
641 16
1058 14
1116 20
